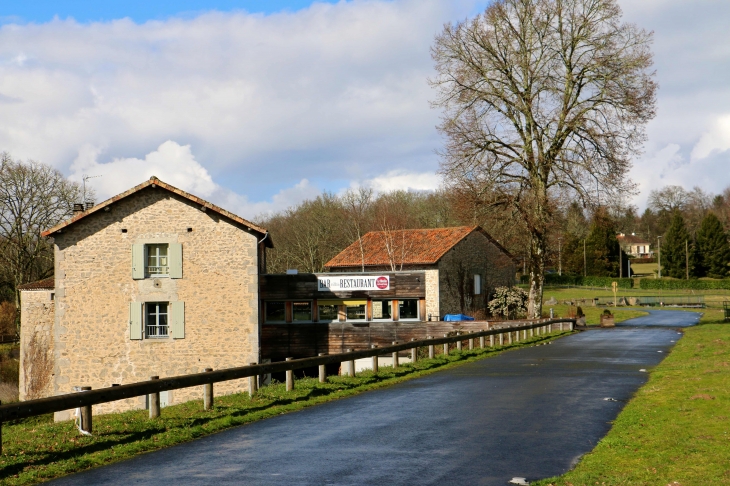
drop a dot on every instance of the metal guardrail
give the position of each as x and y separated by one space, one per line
88 397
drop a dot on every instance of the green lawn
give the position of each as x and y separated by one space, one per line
37 449
676 429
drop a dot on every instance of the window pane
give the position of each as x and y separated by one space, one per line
157 259
382 309
302 311
156 319
275 312
408 309
328 312
356 312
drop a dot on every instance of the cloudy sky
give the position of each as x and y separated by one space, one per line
257 105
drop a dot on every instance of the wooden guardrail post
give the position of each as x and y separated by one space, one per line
491 341
86 418
458 343
524 334
208 393
471 343
154 401
509 337
350 365
446 346
431 350
289 378
501 339
561 327
395 356
481 340
571 325
322 371
414 353
375 358
253 384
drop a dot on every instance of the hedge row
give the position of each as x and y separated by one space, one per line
580 281
693 284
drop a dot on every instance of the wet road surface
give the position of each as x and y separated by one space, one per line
530 413
664 318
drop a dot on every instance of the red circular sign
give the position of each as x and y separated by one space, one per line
382 283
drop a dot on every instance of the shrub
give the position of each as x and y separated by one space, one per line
509 302
580 281
692 284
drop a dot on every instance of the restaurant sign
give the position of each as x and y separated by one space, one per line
349 284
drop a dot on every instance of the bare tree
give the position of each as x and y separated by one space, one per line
542 96
669 199
357 205
33 197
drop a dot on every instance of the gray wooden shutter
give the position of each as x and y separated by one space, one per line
135 320
137 261
175 257
178 319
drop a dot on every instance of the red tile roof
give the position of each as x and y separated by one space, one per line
158 183
45 284
420 246
631 239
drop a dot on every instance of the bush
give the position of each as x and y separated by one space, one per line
692 284
509 302
580 281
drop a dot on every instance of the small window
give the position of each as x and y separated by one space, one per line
356 312
275 311
329 312
156 319
408 309
382 309
477 284
157 261
301 311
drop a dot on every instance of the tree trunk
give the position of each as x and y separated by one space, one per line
537 275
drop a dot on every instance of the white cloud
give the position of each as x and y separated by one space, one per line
402 180
332 93
176 165
717 139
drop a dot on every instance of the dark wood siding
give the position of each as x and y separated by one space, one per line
304 286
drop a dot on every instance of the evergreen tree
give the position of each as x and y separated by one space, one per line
602 248
713 249
674 248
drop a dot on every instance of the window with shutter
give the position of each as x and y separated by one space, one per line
175 251
138 267
135 320
178 319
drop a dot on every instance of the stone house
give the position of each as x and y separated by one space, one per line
154 281
462 265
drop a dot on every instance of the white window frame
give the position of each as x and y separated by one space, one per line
418 311
148 247
156 325
385 319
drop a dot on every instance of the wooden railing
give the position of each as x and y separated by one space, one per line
88 397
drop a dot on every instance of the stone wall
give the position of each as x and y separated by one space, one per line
432 294
475 254
94 288
36 344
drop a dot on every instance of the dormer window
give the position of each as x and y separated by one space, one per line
157 262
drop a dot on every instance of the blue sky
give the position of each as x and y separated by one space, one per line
258 105
40 11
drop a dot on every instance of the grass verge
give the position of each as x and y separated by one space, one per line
36 449
676 429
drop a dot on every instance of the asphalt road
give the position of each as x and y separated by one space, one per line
528 413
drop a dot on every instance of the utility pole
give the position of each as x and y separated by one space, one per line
620 263
560 259
659 259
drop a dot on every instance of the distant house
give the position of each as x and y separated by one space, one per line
154 281
634 245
